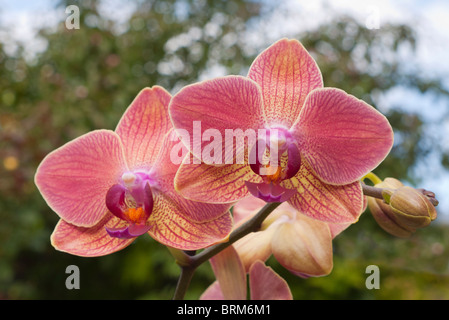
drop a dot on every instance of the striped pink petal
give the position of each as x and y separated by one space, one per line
342 137
265 284
172 222
214 184
286 73
328 203
143 126
164 172
213 292
230 274
220 108
75 178
89 242
178 222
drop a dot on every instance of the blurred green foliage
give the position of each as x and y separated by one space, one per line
86 78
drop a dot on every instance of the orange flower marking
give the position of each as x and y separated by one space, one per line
274 174
135 215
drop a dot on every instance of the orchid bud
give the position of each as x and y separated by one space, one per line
381 213
404 209
411 208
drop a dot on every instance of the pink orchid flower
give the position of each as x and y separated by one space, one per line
328 140
231 283
300 244
109 187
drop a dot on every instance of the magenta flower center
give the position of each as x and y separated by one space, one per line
278 156
131 200
275 158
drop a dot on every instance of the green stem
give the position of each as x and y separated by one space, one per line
187 270
372 177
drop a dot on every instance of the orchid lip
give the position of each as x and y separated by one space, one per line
128 232
269 192
279 141
130 200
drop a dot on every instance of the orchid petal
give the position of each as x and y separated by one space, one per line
214 184
286 73
304 246
265 284
210 108
342 137
231 275
246 208
143 126
337 228
255 246
75 178
89 242
328 203
173 225
176 221
164 172
213 292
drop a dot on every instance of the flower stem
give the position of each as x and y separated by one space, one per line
183 282
188 269
372 191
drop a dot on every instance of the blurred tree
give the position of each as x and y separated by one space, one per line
87 77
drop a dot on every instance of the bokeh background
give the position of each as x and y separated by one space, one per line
57 84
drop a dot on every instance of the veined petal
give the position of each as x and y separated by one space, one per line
220 108
214 184
89 242
143 126
246 208
255 246
342 137
328 203
265 284
286 73
176 221
75 178
337 228
173 222
230 274
164 172
213 292
304 246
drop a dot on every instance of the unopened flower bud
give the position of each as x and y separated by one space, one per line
404 209
411 208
